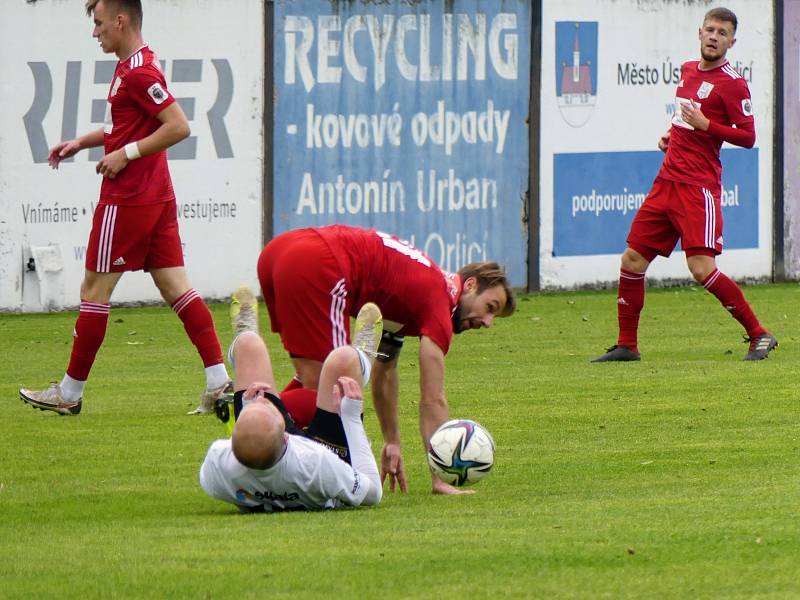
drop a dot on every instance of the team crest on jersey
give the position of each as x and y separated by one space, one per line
747 107
704 90
115 87
157 93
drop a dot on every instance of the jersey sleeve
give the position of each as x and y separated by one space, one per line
738 103
342 482
147 87
438 325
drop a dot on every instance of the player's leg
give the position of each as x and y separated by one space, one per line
251 362
165 263
307 305
113 248
354 361
338 421
702 240
651 234
90 330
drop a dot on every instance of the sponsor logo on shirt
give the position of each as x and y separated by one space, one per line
356 482
157 93
705 90
747 107
258 496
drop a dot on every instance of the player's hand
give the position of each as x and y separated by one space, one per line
345 386
440 487
61 151
112 163
256 390
392 467
663 142
691 113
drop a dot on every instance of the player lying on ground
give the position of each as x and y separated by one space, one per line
712 106
269 464
310 303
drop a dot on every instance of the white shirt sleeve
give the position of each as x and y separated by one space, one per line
340 481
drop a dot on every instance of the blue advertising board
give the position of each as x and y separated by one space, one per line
406 117
597 194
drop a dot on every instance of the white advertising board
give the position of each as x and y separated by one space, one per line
610 70
54 85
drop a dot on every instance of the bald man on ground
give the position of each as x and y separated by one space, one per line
269 464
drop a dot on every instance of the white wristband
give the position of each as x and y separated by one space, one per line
132 151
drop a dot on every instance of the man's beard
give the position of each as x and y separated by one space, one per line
711 57
457 327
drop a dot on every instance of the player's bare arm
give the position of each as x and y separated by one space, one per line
174 127
433 409
71 147
385 384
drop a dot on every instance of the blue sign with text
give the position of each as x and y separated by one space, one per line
406 117
597 194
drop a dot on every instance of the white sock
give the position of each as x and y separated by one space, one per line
366 366
361 457
216 376
71 389
231 353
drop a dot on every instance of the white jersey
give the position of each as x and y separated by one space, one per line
308 476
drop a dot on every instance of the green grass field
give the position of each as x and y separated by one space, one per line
676 477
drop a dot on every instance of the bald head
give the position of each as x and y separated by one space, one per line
257 439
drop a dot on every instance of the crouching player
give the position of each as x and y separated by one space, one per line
269 464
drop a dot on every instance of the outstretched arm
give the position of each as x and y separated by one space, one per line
71 147
433 403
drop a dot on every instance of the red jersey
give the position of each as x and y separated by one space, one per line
138 93
693 155
415 295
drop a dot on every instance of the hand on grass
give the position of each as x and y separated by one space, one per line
392 467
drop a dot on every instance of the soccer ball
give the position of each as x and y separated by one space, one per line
461 452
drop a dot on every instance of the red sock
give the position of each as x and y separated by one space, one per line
199 325
630 301
90 330
294 384
732 298
301 404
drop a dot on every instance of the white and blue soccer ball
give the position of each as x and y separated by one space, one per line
461 452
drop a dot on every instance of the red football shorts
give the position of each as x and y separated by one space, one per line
306 294
132 238
676 211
